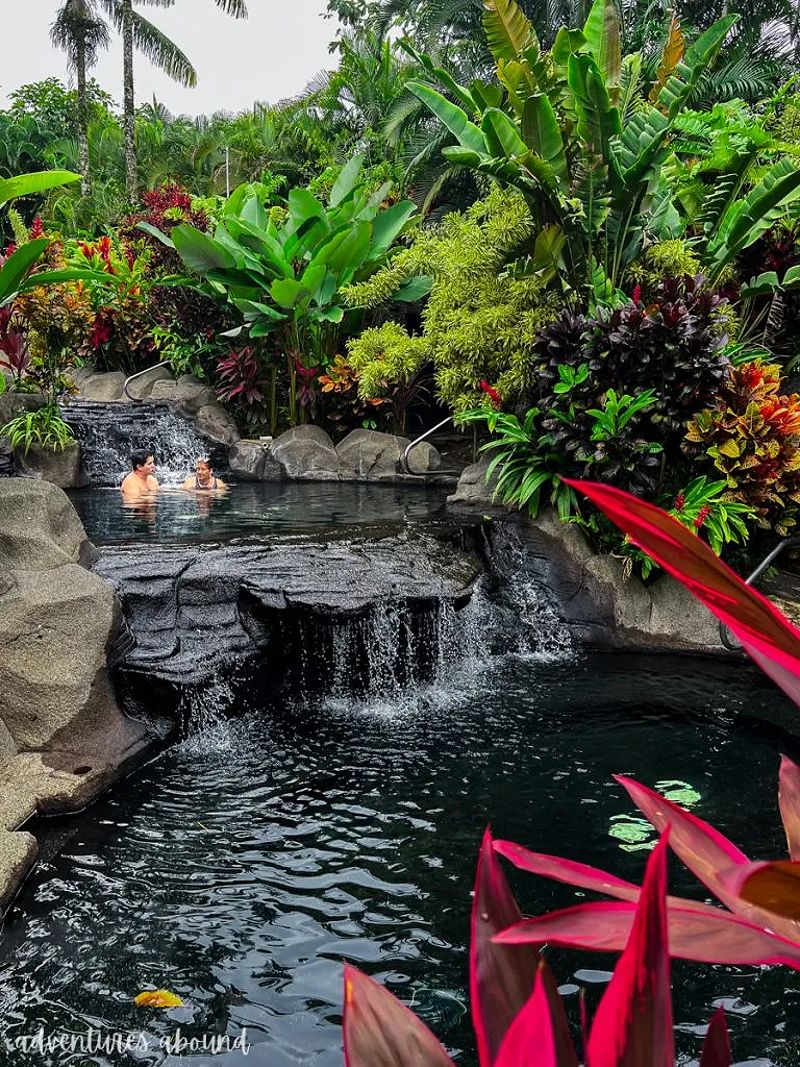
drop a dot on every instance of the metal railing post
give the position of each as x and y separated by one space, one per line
417 441
138 374
787 542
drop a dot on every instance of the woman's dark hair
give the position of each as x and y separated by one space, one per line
139 457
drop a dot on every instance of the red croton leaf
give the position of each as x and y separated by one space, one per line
379 1031
501 977
633 1023
716 1047
539 1035
789 800
766 634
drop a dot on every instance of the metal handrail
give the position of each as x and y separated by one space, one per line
138 374
418 441
787 542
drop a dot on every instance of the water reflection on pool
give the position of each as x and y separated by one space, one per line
262 509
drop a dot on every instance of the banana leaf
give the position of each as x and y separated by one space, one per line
508 31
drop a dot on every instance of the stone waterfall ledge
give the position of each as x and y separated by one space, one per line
600 605
195 608
63 737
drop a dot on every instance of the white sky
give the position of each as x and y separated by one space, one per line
268 57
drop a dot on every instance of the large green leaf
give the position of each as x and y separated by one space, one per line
153 231
254 213
598 120
746 220
199 252
304 205
68 274
603 40
17 266
684 77
346 253
499 127
288 292
566 43
37 182
508 31
542 134
346 182
388 226
452 116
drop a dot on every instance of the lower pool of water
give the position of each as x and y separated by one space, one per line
252 509
242 866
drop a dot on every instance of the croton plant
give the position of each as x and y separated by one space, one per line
518 1017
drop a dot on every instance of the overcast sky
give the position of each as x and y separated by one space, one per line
270 56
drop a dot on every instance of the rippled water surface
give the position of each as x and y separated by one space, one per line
240 868
255 508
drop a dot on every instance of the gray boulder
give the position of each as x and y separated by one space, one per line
215 423
142 387
63 738
13 404
306 453
164 390
252 461
191 394
424 459
104 387
61 468
472 490
81 375
366 455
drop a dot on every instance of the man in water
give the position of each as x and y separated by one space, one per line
141 481
204 480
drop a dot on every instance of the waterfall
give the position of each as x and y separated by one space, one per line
109 432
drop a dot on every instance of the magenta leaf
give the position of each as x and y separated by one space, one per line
715 936
561 870
501 977
538 1036
633 1023
766 634
716 1047
789 800
379 1031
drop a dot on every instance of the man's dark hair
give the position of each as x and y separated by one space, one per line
139 457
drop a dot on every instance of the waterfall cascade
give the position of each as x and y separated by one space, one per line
109 432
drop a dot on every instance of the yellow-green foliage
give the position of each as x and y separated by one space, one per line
789 123
666 259
477 324
18 227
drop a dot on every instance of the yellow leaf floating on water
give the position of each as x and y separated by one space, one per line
158 998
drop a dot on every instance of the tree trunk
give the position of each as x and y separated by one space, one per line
129 121
83 120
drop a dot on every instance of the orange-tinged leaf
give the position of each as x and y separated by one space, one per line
379 1031
789 800
158 998
670 57
775 887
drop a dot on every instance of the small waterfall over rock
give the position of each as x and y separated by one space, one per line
109 432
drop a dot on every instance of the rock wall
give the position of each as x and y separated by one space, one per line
63 738
598 602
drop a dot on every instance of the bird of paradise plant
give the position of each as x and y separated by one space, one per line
518 1017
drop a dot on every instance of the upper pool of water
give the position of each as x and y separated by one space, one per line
253 508
240 868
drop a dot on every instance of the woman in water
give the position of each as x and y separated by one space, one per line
204 480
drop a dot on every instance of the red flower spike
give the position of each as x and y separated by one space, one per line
716 1047
766 634
636 296
680 500
633 1023
379 1031
37 229
789 801
501 977
492 393
536 1036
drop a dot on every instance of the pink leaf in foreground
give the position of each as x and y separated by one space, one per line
789 800
633 1023
379 1031
700 936
764 632
501 977
582 876
537 1037
774 888
716 1047
704 850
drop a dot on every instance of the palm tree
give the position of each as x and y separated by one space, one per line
138 32
79 32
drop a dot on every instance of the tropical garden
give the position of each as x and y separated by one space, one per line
575 229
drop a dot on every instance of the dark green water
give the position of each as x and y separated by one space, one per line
240 868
